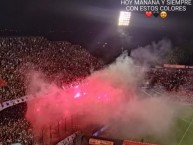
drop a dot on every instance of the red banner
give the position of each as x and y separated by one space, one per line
93 141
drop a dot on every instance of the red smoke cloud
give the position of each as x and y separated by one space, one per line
96 98
106 97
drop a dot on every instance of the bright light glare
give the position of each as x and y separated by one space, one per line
77 95
124 18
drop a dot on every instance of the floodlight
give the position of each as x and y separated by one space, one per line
124 18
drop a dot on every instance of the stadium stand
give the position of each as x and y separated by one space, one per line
19 54
50 57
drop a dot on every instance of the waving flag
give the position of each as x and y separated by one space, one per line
2 83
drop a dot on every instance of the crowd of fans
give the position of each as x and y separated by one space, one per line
13 126
176 82
60 61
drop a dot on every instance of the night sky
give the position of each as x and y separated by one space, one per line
90 22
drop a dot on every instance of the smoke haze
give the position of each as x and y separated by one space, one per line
153 53
106 97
